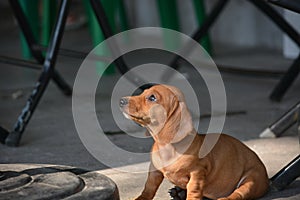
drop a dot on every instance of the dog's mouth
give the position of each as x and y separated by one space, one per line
143 121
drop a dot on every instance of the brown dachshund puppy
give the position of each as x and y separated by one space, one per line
230 170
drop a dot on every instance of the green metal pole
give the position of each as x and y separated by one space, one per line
48 19
200 14
168 14
169 19
31 12
95 30
122 15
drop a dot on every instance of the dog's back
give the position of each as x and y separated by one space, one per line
232 163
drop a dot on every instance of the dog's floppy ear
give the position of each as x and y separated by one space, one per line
158 118
185 126
180 118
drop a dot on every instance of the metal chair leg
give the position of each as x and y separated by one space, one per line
291 74
277 19
108 33
286 81
198 34
14 137
3 134
31 41
294 70
291 171
282 124
286 175
287 4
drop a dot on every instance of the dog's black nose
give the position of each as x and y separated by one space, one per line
123 102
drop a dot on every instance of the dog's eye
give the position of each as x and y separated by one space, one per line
152 98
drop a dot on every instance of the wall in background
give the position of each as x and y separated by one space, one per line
241 24
290 49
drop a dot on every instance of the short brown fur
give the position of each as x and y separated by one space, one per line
229 171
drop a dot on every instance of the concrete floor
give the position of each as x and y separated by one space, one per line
51 137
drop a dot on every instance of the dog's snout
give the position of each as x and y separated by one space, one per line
123 102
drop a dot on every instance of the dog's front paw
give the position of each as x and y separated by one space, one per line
224 198
177 193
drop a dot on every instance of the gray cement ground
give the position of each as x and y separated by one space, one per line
51 137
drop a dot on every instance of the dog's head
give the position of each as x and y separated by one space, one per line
162 110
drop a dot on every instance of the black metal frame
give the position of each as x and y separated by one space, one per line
108 33
29 36
287 4
13 138
48 62
294 69
287 120
198 35
291 73
291 171
286 175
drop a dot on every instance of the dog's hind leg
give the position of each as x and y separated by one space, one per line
249 189
241 193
